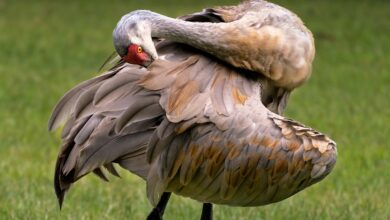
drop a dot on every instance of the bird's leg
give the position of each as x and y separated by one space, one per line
207 212
158 212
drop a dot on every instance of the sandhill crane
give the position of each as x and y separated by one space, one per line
198 112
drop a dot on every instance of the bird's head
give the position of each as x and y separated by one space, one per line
133 41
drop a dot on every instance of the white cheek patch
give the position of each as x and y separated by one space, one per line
135 40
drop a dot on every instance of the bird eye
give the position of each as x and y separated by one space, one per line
139 49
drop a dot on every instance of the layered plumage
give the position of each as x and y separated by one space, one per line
190 124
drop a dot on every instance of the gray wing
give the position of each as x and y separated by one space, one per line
219 143
109 119
93 112
200 124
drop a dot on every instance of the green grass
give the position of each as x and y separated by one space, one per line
47 47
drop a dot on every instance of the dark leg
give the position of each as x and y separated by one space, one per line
207 212
158 212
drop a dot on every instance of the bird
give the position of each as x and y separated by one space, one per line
194 107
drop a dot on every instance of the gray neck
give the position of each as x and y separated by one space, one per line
202 35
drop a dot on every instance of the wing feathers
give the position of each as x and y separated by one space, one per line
192 126
64 107
110 168
98 172
235 143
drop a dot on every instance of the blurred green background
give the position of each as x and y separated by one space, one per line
47 47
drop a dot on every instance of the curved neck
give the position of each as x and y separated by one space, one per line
280 49
205 36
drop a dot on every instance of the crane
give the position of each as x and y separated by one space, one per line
194 107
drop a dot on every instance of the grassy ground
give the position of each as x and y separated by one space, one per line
47 47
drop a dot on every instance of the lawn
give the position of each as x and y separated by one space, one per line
46 47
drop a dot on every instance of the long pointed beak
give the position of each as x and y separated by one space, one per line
148 62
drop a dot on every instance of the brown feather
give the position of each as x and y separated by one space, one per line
193 125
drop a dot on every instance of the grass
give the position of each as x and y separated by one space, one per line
47 47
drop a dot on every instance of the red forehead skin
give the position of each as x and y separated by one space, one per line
134 57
